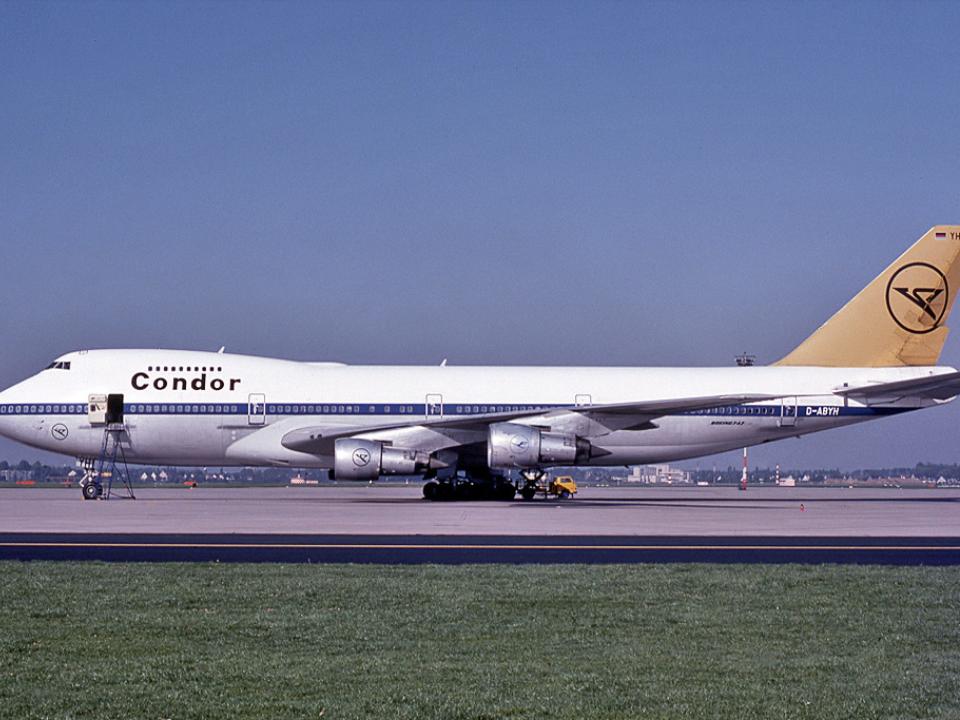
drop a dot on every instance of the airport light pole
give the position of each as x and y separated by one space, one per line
743 477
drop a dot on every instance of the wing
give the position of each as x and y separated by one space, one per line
584 420
934 387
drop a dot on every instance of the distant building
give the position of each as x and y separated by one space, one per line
658 475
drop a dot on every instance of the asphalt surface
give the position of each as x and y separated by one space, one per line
392 549
393 524
401 510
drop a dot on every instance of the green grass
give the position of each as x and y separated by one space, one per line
672 641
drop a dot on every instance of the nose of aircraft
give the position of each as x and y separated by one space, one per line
4 397
15 422
9 399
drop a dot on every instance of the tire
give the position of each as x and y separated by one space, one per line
465 491
528 492
565 495
431 490
91 491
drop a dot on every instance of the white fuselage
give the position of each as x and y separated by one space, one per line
197 408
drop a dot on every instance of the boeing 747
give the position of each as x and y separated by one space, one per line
478 426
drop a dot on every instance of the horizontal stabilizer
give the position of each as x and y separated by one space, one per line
935 387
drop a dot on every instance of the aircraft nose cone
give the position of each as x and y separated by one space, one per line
4 412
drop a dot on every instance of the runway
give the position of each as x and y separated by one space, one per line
393 524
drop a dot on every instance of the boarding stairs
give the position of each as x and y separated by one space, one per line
111 464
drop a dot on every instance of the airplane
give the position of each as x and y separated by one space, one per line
468 431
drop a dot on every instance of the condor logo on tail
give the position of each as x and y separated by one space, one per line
917 296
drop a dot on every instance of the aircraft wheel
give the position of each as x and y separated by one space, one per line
528 492
91 491
431 490
508 491
465 491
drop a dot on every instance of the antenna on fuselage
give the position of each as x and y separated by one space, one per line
222 348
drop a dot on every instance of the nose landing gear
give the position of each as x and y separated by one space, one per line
90 486
91 489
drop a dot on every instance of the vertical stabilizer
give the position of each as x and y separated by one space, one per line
899 318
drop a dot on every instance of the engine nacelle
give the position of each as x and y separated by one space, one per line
355 459
518 446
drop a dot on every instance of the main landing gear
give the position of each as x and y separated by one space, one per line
470 487
531 483
467 486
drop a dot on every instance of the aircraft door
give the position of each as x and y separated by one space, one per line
434 407
97 409
257 409
105 409
788 412
114 414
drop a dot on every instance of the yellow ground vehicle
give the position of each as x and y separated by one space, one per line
562 487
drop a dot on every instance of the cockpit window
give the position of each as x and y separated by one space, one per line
58 365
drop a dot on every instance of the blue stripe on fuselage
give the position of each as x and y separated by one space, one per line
420 409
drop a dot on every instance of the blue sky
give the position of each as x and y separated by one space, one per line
496 183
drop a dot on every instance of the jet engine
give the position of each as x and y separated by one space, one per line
355 459
518 446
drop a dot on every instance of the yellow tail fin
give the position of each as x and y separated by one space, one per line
899 318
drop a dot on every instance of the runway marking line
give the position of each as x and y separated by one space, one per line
382 546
